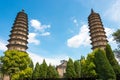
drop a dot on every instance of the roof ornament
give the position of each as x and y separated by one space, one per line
92 11
23 10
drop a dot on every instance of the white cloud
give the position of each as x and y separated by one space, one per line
113 12
45 34
53 60
83 38
80 39
75 22
109 32
32 38
3 45
38 26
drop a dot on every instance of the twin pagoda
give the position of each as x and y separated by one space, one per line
19 32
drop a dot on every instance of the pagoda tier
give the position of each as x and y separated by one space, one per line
19 33
97 33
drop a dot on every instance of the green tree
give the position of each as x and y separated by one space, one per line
103 67
14 62
52 72
27 73
43 70
112 60
116 36
88 66
31 64
77 68
70 70
83 66
36 72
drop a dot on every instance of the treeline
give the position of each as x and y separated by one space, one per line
43 71
100 64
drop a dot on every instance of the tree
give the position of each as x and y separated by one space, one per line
103 67
77 68
88 66
25 74
14 62
52 72
43 70
31 64
36 72
83 66
112 60
70 70
116 36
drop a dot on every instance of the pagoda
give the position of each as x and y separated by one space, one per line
19 33
97 31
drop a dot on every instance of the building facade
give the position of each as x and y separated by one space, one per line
62 68
19 33
97 31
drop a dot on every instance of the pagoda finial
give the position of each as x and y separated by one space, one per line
92 11
23 10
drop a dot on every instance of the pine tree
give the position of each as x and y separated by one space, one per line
43 70
112 60
77 68
90 66
103 67
116 36
31 64
52 72
70 70
36 72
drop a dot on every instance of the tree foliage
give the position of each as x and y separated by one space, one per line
83 66
103 67
52 72
31 64
77 68
43 70
116 36
15 62
88 66
36 71
70 70
112 60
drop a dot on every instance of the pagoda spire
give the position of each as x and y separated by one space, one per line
23 10
92 11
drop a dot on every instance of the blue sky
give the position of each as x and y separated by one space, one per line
58 28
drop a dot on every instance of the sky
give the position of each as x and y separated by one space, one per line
58 29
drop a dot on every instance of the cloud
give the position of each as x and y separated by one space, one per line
113 11
75 22
53 60
32 38
3 45
83 38
109 32
45 34
38 26
80 39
